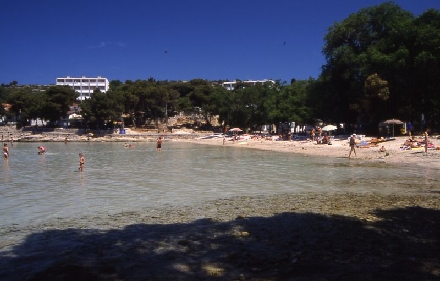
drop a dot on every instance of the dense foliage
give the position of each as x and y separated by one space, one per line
28 103
381 62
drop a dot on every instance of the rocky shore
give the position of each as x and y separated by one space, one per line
286 237
60 135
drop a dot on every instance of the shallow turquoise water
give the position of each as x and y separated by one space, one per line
39 188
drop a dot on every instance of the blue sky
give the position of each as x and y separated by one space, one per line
170 39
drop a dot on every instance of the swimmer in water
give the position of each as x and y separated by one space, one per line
41 150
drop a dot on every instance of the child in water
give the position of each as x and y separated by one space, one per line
82 161
41 150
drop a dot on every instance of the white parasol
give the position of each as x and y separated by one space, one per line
329 128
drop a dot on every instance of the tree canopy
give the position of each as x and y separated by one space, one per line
382 45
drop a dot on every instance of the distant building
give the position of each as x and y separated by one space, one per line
84 85
231 85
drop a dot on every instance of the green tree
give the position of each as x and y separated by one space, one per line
57 102
101 109
377 93
425 83
222 100
20 99
114 84
132 96
201 96
287 103
3 98
374 40
245 106
295 96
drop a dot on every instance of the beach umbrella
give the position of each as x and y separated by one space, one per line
329 128
393 122
236 130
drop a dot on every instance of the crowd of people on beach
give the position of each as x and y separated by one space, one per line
417 143
318 136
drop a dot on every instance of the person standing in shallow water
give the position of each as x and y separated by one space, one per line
82 161
159 144
5 151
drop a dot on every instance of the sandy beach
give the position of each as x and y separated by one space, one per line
307 237
340 149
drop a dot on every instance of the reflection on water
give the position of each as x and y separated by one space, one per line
37 188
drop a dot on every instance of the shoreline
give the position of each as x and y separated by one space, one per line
339 148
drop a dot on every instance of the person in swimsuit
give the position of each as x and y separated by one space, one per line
5 151
159 144
352 145
41 150
82 161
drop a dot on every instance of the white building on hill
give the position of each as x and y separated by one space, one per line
231 85
84 85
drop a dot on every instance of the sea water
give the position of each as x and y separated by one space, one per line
36 189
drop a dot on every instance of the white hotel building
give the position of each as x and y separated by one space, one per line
84 85
231 85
